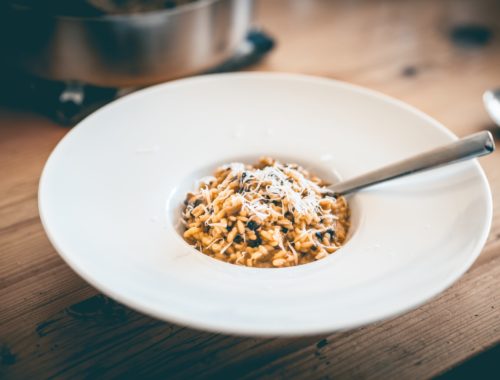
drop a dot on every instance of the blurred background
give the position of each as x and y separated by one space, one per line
66 58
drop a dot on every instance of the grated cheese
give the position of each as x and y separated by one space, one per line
280 183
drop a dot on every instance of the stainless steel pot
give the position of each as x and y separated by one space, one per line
126 50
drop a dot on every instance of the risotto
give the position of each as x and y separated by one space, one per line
265 215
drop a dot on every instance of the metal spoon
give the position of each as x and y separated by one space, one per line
476 145
491 99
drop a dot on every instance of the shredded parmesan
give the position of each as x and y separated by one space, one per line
280 183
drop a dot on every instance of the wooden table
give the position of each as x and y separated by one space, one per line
53 324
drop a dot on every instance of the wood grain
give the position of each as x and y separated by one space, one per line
53 324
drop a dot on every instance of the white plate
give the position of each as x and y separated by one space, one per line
110 193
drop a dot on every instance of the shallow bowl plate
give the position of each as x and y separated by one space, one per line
111 190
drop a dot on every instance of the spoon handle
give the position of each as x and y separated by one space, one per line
476 145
